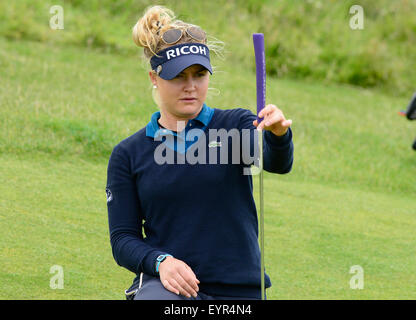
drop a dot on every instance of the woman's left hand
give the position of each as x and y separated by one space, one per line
274 120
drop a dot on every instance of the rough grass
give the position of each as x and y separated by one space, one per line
305 39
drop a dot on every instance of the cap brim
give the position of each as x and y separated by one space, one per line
172 68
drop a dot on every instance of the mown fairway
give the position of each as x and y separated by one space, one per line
349 200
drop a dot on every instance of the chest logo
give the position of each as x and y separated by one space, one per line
214 144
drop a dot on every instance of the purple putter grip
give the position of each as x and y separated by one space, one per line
258 41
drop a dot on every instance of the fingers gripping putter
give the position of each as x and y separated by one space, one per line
258 41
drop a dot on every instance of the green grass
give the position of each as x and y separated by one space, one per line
348 201
315 233
305 39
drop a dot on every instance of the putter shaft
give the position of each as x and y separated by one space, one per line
261 214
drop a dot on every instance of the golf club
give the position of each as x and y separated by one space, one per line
258 41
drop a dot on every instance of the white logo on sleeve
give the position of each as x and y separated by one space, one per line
109 195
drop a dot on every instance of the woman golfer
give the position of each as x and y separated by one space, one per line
188 229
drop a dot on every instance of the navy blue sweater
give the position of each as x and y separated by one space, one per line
203 214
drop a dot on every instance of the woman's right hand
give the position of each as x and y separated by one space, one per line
177 277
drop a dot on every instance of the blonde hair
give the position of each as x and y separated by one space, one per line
158 19
148 30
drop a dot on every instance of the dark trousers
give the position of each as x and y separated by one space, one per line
150 288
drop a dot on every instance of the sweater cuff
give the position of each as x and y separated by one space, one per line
149 262
276 141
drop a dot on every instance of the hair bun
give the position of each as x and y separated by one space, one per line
156 20
147 28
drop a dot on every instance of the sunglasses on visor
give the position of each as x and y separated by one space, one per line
172 36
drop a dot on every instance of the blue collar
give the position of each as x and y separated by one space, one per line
152 128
